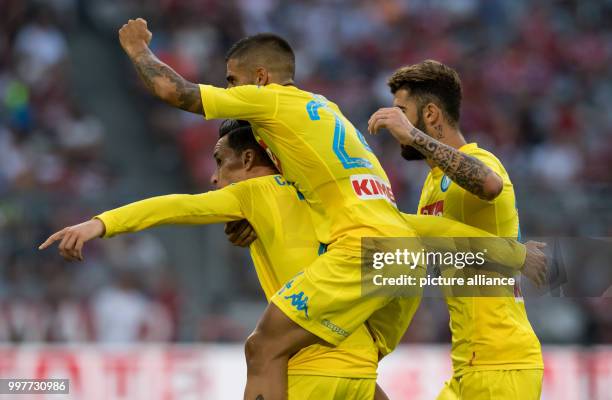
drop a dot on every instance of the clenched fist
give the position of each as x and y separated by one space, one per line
394 120
134 36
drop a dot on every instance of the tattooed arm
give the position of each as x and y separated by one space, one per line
466 171
159 78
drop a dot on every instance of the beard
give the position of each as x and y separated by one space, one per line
409 153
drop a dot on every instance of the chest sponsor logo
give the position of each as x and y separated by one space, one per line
445 183
436 209
372 187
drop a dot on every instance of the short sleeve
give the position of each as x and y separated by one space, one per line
247 102
490 161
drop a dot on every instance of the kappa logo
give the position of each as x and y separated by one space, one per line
300 302
372 187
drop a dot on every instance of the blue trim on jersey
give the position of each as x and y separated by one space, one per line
348 162
279 180
322 248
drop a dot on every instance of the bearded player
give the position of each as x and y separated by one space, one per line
495 353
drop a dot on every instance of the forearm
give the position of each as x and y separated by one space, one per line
466 171
176 209
166 83
444 234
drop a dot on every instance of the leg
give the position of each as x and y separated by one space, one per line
380 394
275 339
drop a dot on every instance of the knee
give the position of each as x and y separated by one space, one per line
259 348
252 346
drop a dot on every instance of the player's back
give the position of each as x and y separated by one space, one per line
317 149
286 244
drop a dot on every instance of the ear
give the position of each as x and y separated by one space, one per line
248 159
432 115
262 77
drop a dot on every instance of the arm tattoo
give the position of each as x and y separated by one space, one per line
166 84
466 171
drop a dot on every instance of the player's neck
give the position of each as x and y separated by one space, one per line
260 170
451 137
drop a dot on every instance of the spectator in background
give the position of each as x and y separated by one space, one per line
121 313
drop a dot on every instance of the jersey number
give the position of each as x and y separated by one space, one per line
339 136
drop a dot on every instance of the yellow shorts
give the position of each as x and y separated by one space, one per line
311 387
517 384
326 299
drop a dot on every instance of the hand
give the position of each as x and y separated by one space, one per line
535 266
240 233
393 119
134 36
74 237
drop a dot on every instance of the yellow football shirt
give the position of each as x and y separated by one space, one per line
487 333
319 151
286 244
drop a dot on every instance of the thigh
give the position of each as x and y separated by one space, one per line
280 336
389 323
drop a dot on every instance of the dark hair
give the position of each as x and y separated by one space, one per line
271 50
431 81
240 137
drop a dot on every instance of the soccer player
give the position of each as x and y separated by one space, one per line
348 193
495 353
250 187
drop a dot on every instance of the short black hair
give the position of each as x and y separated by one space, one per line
431 81
267 49
240 137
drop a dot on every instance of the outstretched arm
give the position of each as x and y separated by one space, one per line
159 78
466 171
206 208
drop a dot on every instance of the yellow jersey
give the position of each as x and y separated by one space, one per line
319 151
285 244
488 333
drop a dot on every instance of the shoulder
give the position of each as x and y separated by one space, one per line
264 183
488 158
239 91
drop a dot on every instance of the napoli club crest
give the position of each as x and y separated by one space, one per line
445 183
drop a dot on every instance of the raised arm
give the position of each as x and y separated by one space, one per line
159 78
466 171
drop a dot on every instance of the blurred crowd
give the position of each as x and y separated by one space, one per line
537 87
52 174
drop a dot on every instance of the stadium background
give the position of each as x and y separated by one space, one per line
79 134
